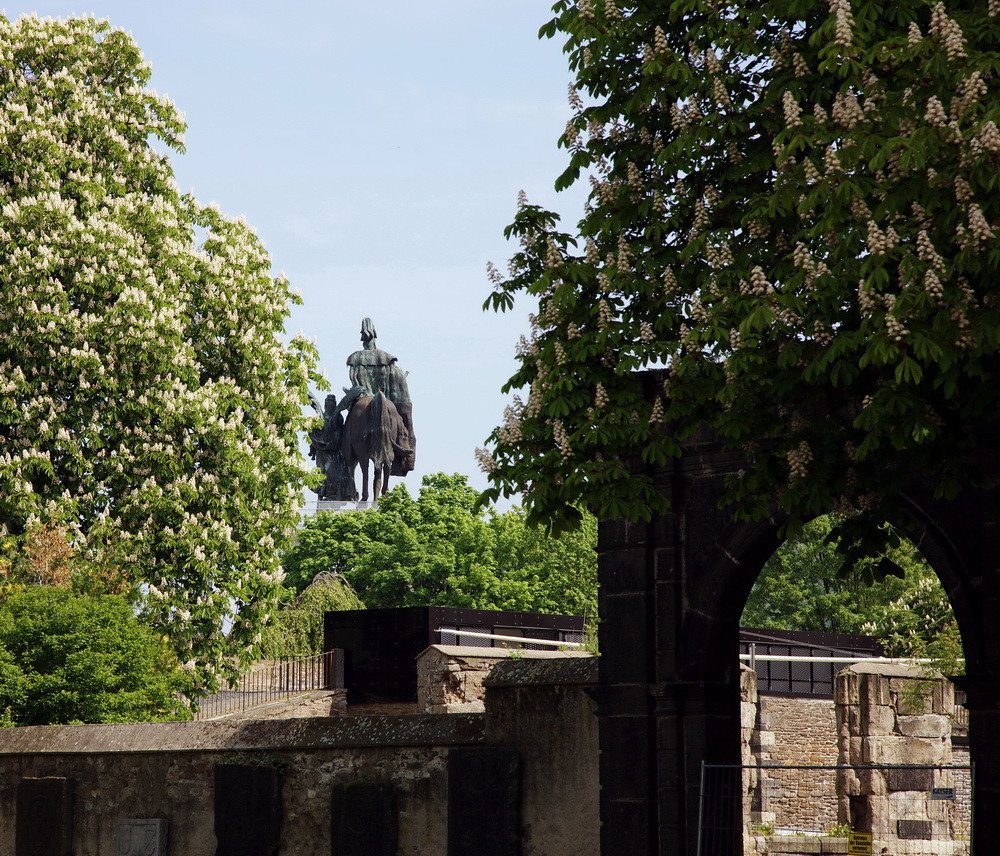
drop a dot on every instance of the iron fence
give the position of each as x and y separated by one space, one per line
903 810
273 680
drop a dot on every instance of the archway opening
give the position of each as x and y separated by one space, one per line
821 762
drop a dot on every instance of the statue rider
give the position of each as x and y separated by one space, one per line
373 370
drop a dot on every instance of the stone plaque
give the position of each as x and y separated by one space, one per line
145 836
44 822
914 829
363 820
247 810
483 802
910 779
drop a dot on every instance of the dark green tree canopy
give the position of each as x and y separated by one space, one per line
440 549
69 658
794 212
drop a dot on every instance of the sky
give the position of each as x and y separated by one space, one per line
377 149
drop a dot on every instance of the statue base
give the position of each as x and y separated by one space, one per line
336 506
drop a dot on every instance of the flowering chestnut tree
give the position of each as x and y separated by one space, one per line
794 213
147 400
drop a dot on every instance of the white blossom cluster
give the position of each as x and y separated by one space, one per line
146 396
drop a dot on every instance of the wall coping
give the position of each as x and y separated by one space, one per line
470 651
892 670
317 732
579 669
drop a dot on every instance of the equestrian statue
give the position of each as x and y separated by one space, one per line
378 426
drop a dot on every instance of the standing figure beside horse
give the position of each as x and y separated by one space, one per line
379 423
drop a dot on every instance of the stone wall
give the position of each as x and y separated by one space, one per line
166 770
450 677
804 732
540 708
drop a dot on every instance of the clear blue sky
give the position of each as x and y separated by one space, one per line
378 149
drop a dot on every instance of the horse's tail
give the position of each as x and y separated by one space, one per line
381 445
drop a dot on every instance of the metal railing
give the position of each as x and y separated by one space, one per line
273 680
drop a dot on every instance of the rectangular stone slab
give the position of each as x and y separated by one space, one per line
914 829
483 801
248 810
903 779
44 822
363 820
146 836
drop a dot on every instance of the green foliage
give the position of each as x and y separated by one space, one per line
794 213
68 658
440 549
297 628
803 586
148 402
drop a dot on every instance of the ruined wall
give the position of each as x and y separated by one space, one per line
892 715
166 770
450 677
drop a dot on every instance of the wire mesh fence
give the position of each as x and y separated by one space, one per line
273 680
885 810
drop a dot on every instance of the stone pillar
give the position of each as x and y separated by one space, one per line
889 714
757 742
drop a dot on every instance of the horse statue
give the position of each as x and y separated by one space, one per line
374 431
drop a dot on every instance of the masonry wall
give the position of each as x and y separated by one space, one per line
804 732
541 709
167 771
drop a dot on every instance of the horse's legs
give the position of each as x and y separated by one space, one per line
364 480
377 489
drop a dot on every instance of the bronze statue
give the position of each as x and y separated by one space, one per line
373 370
378 427
324 447
375 432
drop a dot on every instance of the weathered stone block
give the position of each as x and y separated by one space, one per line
793 844
872 782
748 715
878 817
874 691
764 739
856 750
833 845
142 837
44 821
915 697
848 782
363 820
846 688
483 802
878 719
914 829
925 725
909 750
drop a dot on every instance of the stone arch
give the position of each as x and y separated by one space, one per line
672 593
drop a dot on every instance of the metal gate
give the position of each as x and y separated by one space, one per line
898 810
